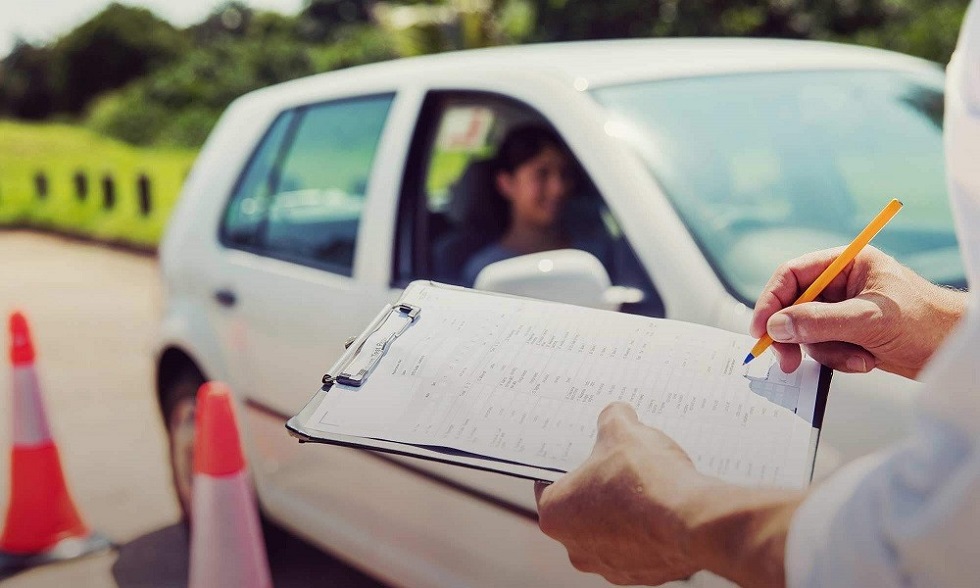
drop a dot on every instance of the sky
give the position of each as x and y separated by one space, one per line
40 21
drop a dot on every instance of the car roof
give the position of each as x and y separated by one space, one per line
590 64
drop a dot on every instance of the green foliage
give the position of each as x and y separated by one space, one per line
26 88
516 20
423 27
322 19
568 20
927 28
179 105
924 28
118 45
353 45
135 77
59 152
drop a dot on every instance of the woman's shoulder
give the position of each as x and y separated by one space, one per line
491 253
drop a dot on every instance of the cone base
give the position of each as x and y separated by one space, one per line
64 550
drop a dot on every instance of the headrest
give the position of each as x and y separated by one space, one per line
474 201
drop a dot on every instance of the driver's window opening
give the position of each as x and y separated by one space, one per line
499 182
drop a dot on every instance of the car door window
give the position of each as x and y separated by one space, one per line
463 211
316 209
249 202
301 197
463 136
454 211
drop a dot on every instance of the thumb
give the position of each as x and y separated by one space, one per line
615 422
850 321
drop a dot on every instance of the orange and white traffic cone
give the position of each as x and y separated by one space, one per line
42 523
227 548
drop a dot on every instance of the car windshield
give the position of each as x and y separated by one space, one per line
763 167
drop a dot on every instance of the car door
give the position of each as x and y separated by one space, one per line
294 247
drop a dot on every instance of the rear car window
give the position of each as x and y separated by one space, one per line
306 206
250 200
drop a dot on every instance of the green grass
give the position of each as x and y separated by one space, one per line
59 151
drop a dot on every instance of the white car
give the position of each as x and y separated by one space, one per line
705 163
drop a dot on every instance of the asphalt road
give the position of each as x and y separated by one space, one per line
93 313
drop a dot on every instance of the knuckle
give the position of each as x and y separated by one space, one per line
624 468
619 458
811 321
871 315
783 271
780 281
805 325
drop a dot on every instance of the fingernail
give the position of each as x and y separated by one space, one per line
780 327
856 363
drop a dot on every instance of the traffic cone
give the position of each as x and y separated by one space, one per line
42 524
227 548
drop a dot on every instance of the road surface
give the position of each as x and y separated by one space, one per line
93 313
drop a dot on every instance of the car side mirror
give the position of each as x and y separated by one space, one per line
563 275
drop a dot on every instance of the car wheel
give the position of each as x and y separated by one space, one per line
179 401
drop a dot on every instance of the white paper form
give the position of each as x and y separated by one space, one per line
524 381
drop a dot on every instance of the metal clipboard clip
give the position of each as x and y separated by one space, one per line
367 356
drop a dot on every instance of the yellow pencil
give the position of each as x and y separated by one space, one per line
846 257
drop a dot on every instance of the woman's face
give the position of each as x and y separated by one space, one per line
537 188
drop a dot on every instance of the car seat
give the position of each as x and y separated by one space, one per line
477 215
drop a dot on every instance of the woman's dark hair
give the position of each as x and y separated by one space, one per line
523 143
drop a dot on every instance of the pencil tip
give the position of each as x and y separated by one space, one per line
748 358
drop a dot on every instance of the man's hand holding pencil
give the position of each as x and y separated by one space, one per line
874 313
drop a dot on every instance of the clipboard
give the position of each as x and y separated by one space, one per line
362 355
365 352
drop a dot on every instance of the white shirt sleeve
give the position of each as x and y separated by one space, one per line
909 517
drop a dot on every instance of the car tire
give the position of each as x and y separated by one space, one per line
178 401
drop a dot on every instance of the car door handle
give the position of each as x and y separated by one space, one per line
225 297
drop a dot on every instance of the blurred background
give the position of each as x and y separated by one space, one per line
103 109
104 105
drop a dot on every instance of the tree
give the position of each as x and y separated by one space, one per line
320 20
569 20
420 27
26 90
231 19
118 45
927 28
